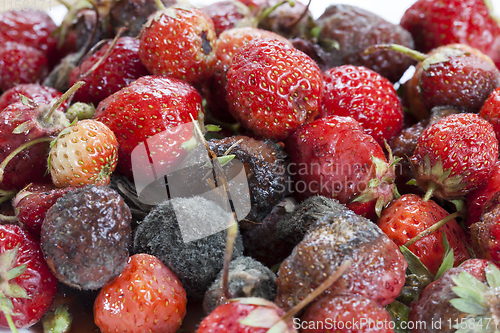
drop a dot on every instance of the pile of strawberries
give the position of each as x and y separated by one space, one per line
375 203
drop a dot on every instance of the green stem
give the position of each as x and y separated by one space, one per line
12 327
432 229
8 218
17 151
399 48
430 191
159 4
56 103
269 10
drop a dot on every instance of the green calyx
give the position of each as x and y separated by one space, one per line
381 187
8 288
436 181
480 301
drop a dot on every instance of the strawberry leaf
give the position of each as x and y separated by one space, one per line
467 280
414 263
26 126
399 314
467 306
213 128
493 275
447 260
467 294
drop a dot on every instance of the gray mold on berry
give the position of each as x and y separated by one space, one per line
247 278
85 237
195 263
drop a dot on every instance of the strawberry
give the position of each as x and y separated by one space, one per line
454 75
286 18
145 297
21 64
146 108
228 14
409 215
38 93
454 156
30 27
435 23
29 287
479 198
84 153
32 203
334 157
25 130
377 271
179 43
243 316
273 88
464 298
118 69
349 314
485 234
229 43
366 96
491 111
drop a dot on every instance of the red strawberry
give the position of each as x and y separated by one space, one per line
179 43
145 297
477 199
146 108
28 127
29 27
435 23
491 111
32 203
28 286
273 88
38 93
485 234
455 155
409 215
121 67
21 64
346 314
230 43
242 316
228 14
334 157
366 96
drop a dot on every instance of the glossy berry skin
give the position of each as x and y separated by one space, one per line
410 215
146 108
227 317
29 27
21 64
83 154
37 280
230 42
273 88
491 111
179 43
32 203
228 14
120 68
433 303
435 23
478 199
366 96
455 155
146 297
333 157
38 93
485 234
346 314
